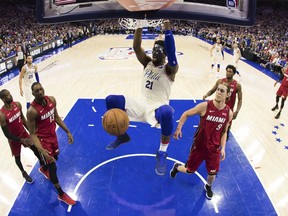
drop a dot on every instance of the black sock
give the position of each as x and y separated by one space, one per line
59 190
37 154
19 164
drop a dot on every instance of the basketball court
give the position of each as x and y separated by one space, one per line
252 179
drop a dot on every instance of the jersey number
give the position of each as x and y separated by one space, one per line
219 126
52 118
149 84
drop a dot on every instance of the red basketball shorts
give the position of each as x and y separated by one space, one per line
16 146
197 156
282 91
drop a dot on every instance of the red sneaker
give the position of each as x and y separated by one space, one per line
45 173
66 199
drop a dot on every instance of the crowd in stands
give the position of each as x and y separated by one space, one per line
267 39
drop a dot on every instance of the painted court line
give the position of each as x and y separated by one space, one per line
126 156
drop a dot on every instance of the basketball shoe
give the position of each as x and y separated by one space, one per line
275 107
209 192
44 172
28 179
66 199
174 170
278 115
160 168
120 140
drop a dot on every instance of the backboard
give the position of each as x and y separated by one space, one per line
234 12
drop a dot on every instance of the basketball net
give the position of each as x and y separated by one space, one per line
130 23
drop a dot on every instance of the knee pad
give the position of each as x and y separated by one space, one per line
164 116
115 101
218 65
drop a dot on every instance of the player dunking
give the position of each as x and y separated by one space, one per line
153 106
209 141
235 90
42 117
12 123
282 91
217 54
29 73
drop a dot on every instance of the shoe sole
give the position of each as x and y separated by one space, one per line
111 148
66 202
159 173
30 182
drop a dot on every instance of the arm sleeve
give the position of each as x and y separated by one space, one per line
8 135
170 48
37 77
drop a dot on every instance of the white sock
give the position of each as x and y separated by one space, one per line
163 147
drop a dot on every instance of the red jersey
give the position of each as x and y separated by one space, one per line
285 80
233 89
14 119
210 129
45 122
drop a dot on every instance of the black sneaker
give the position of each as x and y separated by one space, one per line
278 115
120 140
28 179
275 107
209 192
174 170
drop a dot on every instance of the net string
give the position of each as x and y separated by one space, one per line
130 23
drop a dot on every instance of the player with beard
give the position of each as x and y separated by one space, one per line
13 124
42 117
153 106
29 73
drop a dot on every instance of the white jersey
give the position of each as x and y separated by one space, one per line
20 55
217 50
155 92
156 84
236 55
29 75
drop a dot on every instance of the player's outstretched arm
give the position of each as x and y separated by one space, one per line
139 51
211 91
172 66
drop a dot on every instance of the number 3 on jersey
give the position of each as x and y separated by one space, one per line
149 84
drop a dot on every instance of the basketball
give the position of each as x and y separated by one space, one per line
115 122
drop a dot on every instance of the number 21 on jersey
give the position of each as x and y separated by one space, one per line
149 84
